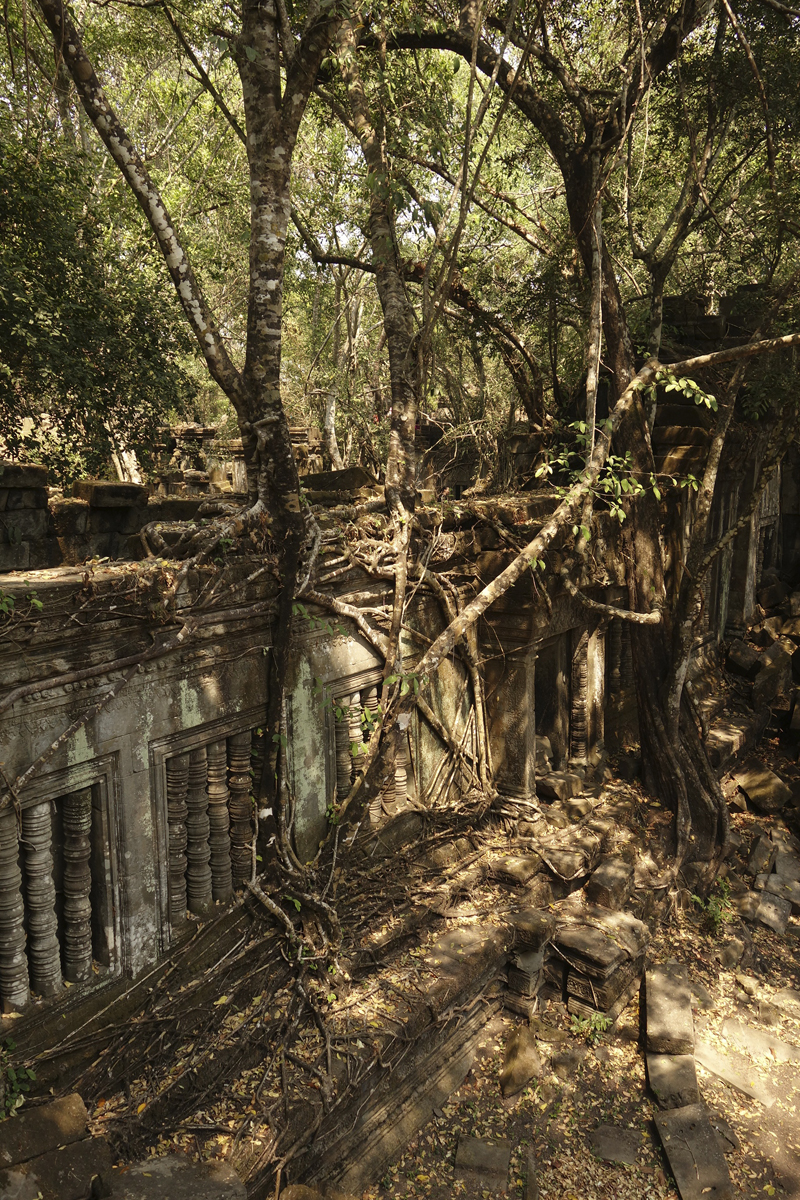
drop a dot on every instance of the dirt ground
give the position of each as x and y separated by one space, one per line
586 1082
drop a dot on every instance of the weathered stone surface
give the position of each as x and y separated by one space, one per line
773 680
21 475
578 808
348 480
36 1130
787 865
102 494
533 928
758 1043
531 1182
743 660
670 1026
481 1160
794 604
746 905
64 1173
730 952
569 1062
177 1178
748 984
522 1062
763 788
773 594
611 884
559 785
717 1064
515 870
602 995
787 889
701 996
788 1001
299 1191
612 1144
694 1153
730 736
774 912
596 940
673 1079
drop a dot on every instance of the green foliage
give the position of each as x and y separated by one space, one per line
717 907
14 1081
592 1027
90 341
320 623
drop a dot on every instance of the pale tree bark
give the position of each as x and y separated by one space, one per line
277 73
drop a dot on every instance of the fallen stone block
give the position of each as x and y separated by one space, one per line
773 680
673 1079
66 1173
694 1153
603 995
717 1064
773 912
103 494
788 1001
521 1063
761 856
670 1026
730 952
787 889
569 1062
763 788
559 785
611 884
515 870
746 906
34 1131
794 604
612 1144
483 1162
533 929
787 865
773 594
758 1043
178 1178
531 1183
522 1006
743 660
596 941
21 475
701 996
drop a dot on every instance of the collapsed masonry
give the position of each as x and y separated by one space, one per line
142 812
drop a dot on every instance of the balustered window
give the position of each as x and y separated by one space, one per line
55 897
210 822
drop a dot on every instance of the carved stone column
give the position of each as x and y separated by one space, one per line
344 761
514 726
198 851
44 952
76 815
240 807
177 812
14 989
578 726
219 821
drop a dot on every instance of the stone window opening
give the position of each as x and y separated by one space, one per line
56 901
210 822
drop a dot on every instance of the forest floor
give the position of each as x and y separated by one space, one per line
601 1080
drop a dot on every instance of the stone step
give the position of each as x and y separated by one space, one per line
694 1152
731 737
670 1026
177 1178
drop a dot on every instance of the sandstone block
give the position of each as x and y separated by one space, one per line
611 883
522 1062
763 788
101 493
743 660
694 1152
670 1027
673 1079
22 475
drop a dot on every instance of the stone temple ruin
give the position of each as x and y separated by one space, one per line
138 819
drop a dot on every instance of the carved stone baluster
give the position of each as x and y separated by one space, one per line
44 952
14 988
401 771
240 807
177 788
76 813
344 763
219 821
580 699
198 851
